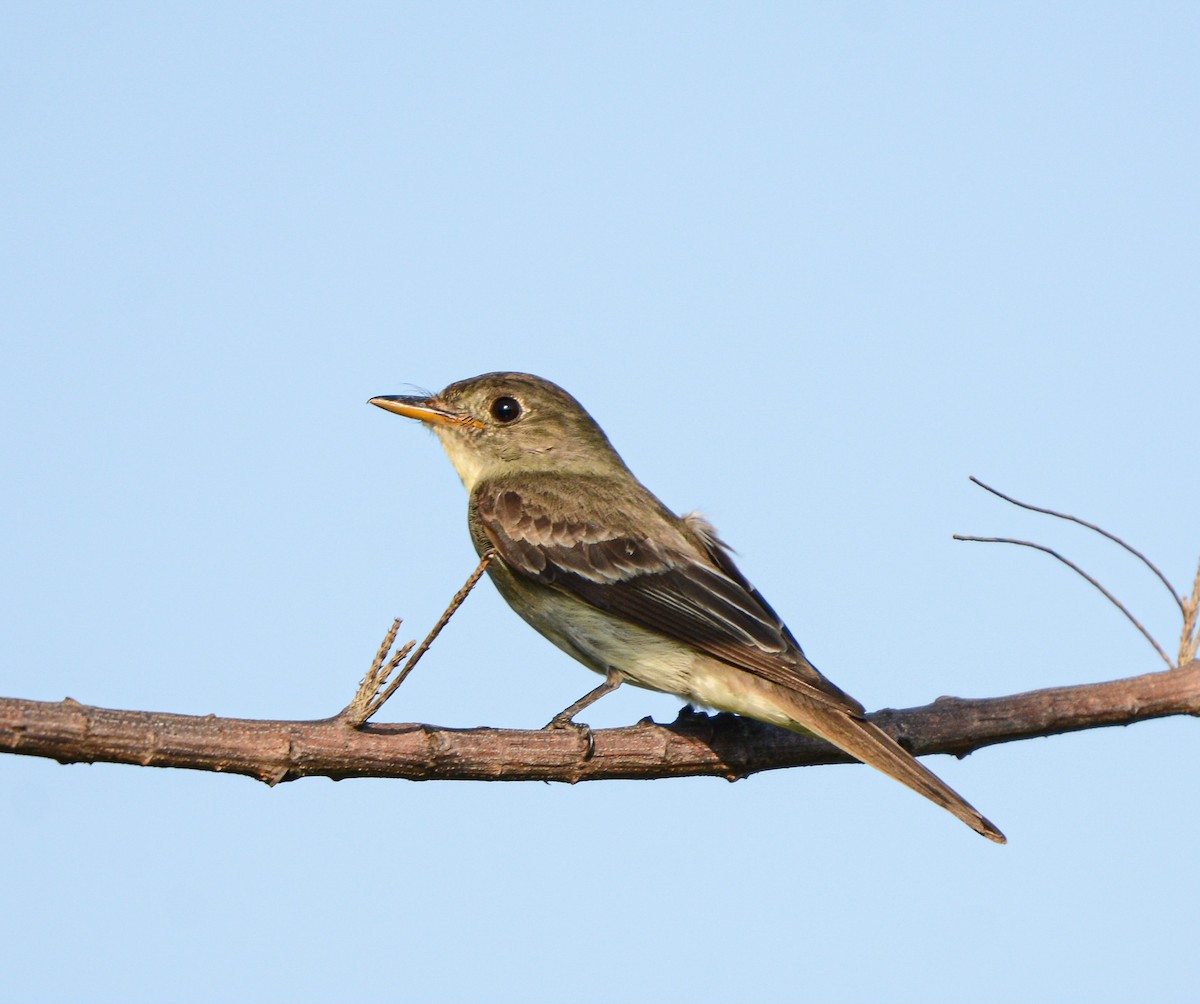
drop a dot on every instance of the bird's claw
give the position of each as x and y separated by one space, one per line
585 731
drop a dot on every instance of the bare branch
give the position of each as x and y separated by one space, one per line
1070 564
1091 526
695 744
723 746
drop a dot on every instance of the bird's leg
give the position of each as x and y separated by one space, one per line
612 680
565 718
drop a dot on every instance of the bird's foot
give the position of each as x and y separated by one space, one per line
565 721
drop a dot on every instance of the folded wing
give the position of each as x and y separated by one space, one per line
682 585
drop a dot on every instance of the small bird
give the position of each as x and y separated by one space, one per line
595 562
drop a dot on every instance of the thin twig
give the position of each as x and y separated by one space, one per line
1091 526
388 641
1189 640
1070 564
381 698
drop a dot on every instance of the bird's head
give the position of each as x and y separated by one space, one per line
501 422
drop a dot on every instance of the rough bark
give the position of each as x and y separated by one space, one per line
695 744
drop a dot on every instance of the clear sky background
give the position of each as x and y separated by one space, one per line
809 265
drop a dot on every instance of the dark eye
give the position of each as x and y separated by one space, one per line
506 409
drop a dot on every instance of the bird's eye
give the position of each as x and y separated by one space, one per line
506 409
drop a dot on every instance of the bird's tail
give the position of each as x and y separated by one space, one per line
871 745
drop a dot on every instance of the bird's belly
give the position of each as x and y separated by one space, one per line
649 659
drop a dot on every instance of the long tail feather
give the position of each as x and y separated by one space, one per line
873 746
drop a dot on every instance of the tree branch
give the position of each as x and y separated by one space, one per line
695 744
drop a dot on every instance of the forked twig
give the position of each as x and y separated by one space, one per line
379 684
1070 564
1189 641
1091 526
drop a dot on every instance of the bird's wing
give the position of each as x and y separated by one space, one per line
654 577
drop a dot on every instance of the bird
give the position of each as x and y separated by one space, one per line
591 559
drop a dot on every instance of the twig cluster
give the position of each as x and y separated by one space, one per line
379 684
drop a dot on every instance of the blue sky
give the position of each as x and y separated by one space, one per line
809 265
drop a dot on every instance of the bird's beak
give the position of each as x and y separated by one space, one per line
429 410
